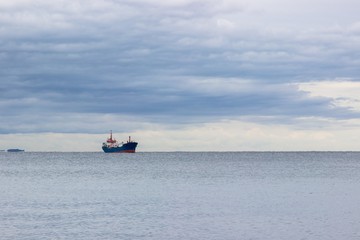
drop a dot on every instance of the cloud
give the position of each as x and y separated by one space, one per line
343 93
77 106
65 65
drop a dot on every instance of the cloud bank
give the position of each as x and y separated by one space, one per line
81 67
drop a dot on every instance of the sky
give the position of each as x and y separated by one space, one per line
180 75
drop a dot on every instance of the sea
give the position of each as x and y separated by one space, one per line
180 195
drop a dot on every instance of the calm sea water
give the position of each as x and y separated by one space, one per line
180 195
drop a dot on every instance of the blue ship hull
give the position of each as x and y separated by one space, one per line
125 148
15 150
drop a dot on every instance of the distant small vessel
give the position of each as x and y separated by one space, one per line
112 146
15 150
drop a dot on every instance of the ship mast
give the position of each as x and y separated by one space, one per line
111 140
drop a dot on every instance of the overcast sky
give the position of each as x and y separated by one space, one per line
180 75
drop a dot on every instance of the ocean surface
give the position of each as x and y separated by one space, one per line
204 195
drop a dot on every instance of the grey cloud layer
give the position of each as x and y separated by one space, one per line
178 60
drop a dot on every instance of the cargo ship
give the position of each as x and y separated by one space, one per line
112 146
